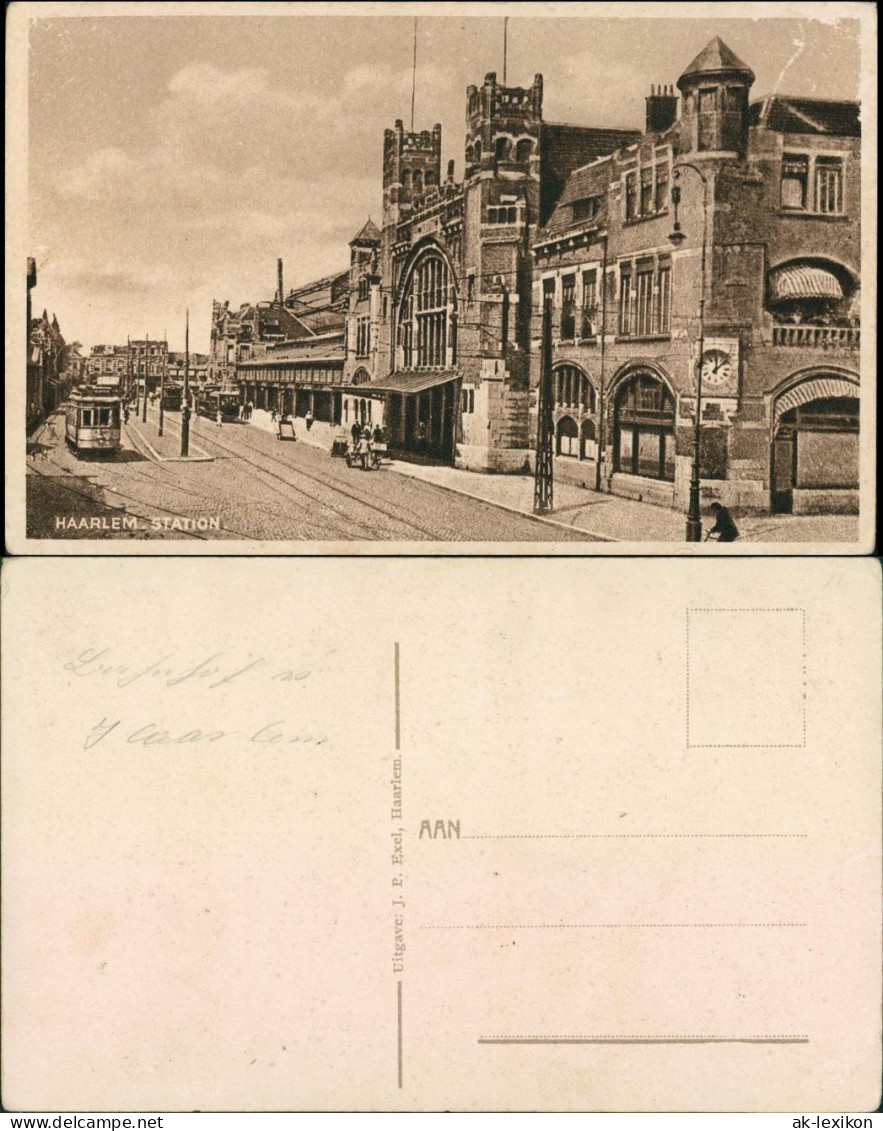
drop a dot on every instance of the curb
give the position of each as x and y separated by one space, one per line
507 507
204 458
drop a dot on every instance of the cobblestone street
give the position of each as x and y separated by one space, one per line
255 488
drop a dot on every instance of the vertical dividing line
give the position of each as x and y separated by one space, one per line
398 701
398 709
400 1032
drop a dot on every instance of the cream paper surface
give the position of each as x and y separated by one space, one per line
475 835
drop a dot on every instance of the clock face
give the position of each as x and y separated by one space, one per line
717 367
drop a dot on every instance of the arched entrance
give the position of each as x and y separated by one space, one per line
644 427
815 446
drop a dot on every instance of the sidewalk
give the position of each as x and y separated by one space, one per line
625 520
608 517
319 436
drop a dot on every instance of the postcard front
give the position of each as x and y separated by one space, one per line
441 835
577 278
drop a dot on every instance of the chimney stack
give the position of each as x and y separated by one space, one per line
662 108
280 293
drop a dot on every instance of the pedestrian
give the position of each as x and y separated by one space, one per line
724 527
421 437
356 431
363 448
273 415
218 418
125 414
308 419
250 409
377 434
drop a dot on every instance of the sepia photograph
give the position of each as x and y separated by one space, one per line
560 278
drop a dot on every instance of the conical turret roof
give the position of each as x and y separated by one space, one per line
716 58
370 233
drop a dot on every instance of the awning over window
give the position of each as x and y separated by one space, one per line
408 381
804 282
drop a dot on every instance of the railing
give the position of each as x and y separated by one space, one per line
817 337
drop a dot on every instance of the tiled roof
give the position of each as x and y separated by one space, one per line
564 148
808 116
715 57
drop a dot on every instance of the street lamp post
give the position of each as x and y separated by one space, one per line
185 409
144 401
602 407
677 237
162 384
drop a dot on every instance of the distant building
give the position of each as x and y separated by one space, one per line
48 372
199 364
288 355
107 364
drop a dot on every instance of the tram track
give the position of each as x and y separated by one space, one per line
304 515
87 497
66 473
172 480
329 485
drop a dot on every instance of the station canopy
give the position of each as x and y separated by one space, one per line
409 381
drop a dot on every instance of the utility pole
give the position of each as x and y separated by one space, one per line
185 411
602 408
162 383
542 493
505 45
128 367
144 401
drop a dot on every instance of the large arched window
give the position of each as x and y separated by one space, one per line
361 377
428 315
644 423
573 389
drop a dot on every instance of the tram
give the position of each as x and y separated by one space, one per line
173 397
92 420
212 398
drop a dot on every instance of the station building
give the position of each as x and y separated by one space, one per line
434 330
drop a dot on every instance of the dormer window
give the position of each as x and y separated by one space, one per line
586 209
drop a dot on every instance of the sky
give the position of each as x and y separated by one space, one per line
172 159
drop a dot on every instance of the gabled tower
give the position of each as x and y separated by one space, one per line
715 102
411 164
